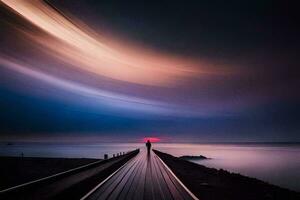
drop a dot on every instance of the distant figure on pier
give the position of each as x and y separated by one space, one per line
148 145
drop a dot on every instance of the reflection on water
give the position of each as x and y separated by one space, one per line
274 163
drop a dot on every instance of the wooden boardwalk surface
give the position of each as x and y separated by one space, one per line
144 177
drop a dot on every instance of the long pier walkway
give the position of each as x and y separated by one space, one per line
144 177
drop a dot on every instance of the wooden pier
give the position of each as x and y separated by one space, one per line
143 177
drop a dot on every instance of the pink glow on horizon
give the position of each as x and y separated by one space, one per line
151 139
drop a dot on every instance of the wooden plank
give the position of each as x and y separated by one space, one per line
140 187
164 190
104 190
173 190
133 187
129 186
149 193
124 181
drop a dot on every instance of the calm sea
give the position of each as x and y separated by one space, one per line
275 163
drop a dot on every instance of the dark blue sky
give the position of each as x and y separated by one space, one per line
196 71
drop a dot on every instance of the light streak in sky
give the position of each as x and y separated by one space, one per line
107 97
77 45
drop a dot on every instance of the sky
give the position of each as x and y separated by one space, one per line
196 71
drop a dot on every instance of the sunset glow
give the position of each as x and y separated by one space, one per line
151 139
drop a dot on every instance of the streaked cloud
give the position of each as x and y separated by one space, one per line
74 43
102 96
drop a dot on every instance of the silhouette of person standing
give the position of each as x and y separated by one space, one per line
148 145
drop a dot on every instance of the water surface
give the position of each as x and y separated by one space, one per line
275 163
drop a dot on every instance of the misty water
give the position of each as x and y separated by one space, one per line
274 163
